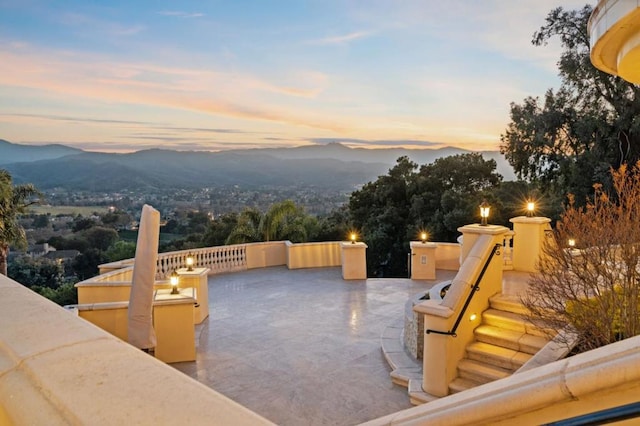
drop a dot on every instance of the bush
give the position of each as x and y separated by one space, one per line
592 287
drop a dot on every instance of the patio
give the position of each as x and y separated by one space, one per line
302 346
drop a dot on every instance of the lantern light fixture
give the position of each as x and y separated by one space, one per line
353 237
174 279
423 237
189 261
485 208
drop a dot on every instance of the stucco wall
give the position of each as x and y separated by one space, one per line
313 255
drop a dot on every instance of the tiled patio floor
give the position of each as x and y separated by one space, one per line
302 347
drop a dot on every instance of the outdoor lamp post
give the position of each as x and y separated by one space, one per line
531 207
571 242
353 237
174 279
189 261
484 213
423 237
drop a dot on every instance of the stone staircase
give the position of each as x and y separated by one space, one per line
504 342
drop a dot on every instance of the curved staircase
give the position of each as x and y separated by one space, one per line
504 342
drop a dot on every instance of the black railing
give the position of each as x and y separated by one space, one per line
475 287
610 415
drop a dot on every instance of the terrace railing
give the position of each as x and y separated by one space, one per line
219 259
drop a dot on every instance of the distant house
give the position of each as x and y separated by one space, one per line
62 255
39 250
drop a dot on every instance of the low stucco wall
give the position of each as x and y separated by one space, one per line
448 256
263 255
56 368
313 255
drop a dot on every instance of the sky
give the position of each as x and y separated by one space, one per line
122 76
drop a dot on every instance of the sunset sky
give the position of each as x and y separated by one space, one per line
211 75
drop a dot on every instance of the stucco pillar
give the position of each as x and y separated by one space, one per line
198 280
528 241
354 260
470 234
423 260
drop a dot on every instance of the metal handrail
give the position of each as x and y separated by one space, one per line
475 287
609 415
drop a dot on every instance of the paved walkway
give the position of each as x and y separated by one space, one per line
302 347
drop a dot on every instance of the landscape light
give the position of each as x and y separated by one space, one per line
423 237
473 317
353 237
484 213
174 279
531 206
571 242
189 262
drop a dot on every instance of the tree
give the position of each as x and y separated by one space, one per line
14 201
86 264
282 221
220 229
568 141
449 191
117 219
441 197
81 223
593 288
380 212
101 238
121 250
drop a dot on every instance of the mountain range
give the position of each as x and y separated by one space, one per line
331 166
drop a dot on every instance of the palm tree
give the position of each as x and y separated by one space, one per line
14 201
282 221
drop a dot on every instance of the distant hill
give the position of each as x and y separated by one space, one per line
15 153
332 166
387 156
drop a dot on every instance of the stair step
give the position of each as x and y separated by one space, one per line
498 356
511 339
504 319
510 321
480 372
508 303
459 384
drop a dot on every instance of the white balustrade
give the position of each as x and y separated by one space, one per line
218 259
507 250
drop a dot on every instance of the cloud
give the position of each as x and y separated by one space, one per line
90 25
179 14
74 119
341 39
75 75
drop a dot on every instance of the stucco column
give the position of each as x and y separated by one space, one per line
470 234
197 279
354 260
423 260
528 241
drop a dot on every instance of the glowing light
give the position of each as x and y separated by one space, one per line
531 207
571 242
353 237
189 262
423 237
485 209
473 317
174 279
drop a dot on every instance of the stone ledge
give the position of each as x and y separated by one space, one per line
56 368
